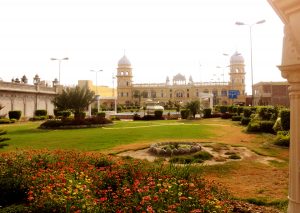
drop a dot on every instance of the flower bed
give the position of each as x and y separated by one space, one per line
174 148
69 181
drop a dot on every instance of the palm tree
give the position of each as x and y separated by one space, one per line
74 99
194 107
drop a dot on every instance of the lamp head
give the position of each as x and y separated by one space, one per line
261 21
239 23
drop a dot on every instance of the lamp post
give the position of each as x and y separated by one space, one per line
96 95
59 62
250 32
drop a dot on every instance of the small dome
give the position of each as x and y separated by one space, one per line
124 61
179 77
237 58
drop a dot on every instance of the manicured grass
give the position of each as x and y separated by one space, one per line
28 136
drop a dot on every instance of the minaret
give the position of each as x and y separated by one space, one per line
237 75
124 81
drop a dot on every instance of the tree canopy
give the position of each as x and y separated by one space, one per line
194 107
75 99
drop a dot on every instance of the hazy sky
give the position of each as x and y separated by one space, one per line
161 38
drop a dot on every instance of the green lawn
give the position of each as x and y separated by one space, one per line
28 136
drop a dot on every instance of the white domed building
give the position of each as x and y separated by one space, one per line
179 90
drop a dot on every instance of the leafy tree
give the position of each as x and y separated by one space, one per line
74 99
194 107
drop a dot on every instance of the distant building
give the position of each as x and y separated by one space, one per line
271 93
107 95
19 95
180 89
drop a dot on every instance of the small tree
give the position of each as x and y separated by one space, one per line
194 107
74 99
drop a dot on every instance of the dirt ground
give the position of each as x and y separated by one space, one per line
263 176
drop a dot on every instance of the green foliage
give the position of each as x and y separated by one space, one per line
2 132
63 114
240 110
245 121
6 121
185 113
285 119
14 114
101 114
38 118
193 107
236 118
277 126
247 112
40 112
227 115
282 138
207 113
261 126
203 155
267 112
234 156
158 114
223 109
74 99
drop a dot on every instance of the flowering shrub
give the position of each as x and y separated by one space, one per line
69 181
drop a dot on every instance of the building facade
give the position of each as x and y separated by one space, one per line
271 93
19 95
181 90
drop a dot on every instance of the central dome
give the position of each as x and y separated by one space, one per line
237 58
124 61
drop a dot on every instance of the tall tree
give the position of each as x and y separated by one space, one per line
75 99
194 107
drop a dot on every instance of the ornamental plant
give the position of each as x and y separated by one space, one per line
70 181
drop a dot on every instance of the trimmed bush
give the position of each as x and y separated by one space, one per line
158 114
236 118
101 114
277 126
253 127
207 113
247 112
223 109
282 138
267 112
285 119
227 115
267 126
38 118
245 121
14 114
40 112
185 113
5 121
240 110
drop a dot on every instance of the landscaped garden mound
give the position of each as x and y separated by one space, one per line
174 148
69 181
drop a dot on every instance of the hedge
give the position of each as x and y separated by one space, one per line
158 114
285 119
236 118
282 139
185 113
245 121
247 112
207 113
40 112
14 115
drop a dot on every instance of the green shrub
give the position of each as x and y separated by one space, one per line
14 114
52 124
158 114
203 155
245 121
285 119
236 118
207 113
227 115
38 118
223 109
5 121
185 113
282 139
40 112
253 127
230 109
277 126
247 112
267 126
184 160
267 112
101 114
240 110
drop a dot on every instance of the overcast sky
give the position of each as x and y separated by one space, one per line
161 38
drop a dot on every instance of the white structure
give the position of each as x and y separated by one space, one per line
289 12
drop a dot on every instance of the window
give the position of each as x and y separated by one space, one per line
224 93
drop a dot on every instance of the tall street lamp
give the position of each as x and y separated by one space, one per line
250 30
59 61
96 95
